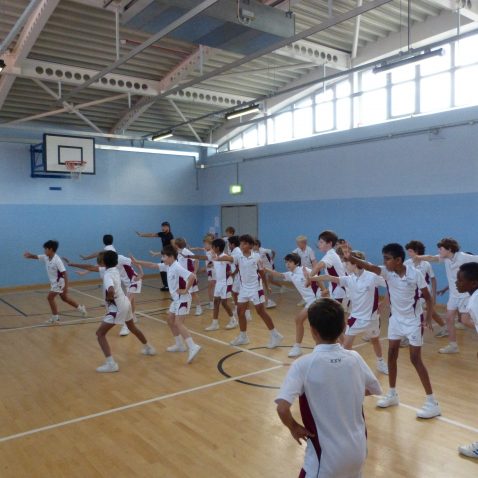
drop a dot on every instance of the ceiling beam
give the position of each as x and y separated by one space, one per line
30 33
467 9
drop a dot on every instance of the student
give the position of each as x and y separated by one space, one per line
362 287
180 281
406 320
467 283
235 251
414 249
267 257
118 312
306 254
58 280
251 271
166 237
331 384
108 246
296 274
229 231
449 253
211 278
331 262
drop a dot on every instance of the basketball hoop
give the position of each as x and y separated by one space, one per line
75 168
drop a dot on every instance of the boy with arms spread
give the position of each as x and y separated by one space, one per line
404 284
331 384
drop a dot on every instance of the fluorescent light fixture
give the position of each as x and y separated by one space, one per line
235 189
2 65
411 59
242 112
160 136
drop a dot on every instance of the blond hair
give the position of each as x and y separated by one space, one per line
301 238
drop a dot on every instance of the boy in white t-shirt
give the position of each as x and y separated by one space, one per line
467 283
306 254
58 280
362 289
331 384
235 251
230 232
449 253
404 285
267 257
180 281
309 293
252 277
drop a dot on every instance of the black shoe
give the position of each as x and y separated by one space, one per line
164 289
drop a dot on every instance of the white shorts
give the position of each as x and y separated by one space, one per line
236 284
194 288
222 290
211 275
397 330
118 315
457 303
357 327
254 296
180 306
134 287
58 287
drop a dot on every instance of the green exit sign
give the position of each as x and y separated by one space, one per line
235 189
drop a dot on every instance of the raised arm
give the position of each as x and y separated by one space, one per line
427 258
86 267
224 259
325 278
93 255
147 264
29 255
363 264
147 234
274 273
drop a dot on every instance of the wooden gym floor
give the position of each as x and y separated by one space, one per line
159 417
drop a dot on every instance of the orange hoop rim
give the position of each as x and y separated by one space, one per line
75 166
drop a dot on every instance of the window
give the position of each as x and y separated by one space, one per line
403 99
261 133
344 113
324 116
250 137
465 51
403 73
466 81
372 81
236 143
373 107
435 93
283 126
303 122
436 64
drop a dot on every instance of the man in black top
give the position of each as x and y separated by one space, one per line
166 237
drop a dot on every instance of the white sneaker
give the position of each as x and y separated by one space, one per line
198 310
459 326
449 349
82 310
240 340
108 367
193 351
248 315
275 340
53 320
210 306
429 410
270 304
382 367
470 450
232 324
295 351
301 303
389 400
124 330
213 326
176 348
404 342
148 350
442 332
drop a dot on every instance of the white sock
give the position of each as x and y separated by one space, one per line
190 342
274 332
242 334
231 318
393 391
214 321
453 343
79 307
297 344
379 359
110 360
431 398
211 304
178 340
55 317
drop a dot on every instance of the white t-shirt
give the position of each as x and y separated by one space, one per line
309 294
266 257
177 277
222 269
335 268
331 383
111 278
452 266
54 268
127 273
362 291
209 263
307 256
109 248
472 308
185 260
425 268
405 293
248 270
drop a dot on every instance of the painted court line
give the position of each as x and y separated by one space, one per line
13 307
133 405
212 339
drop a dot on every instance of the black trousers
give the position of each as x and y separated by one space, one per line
164 278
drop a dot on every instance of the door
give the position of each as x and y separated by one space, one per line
243 218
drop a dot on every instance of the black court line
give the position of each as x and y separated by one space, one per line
13 307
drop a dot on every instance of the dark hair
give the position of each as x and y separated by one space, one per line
395 250
219 244
100 258
230 229
470 271
233 241
169 251
327 317
450 244
247 238
107 239
51 244
257 242
293 257
110 259
180 242
329 236
416 246
166 223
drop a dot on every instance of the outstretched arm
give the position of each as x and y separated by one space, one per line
86 267
147 234
147 264
29 255
274 273
427 258
325 278
93 255
363 264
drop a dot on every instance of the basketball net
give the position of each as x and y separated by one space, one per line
75 169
